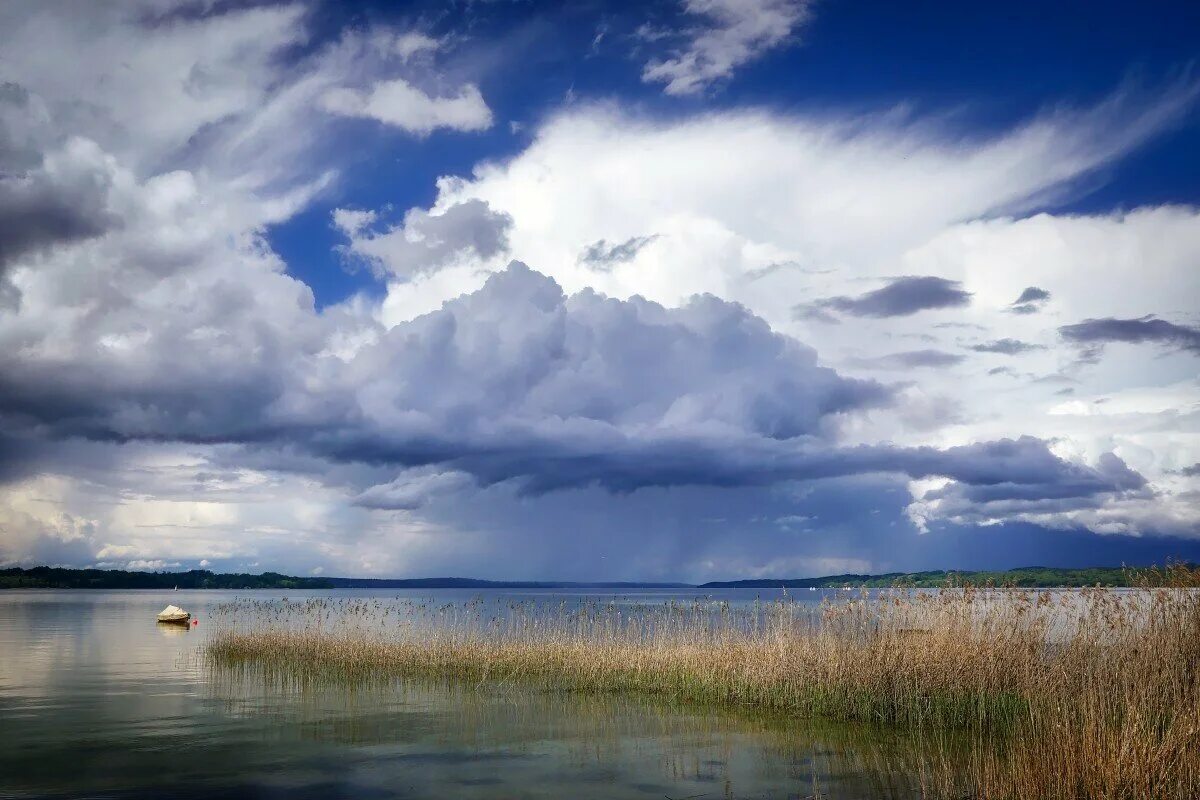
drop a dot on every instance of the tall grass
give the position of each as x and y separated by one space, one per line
1081 694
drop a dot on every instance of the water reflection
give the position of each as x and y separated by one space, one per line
491 742
97 699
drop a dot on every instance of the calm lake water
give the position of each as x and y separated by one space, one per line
98 701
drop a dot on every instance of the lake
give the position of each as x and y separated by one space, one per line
97 700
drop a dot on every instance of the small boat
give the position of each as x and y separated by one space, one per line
174 615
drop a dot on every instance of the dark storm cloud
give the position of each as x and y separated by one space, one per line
35 215
603 256
1008 347
412 489
1192 471
1098 332
976 504
913 359
900 297
46 198
514 382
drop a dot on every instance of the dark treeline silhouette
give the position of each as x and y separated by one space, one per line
1023 577
62 578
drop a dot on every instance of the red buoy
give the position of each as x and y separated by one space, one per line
195 622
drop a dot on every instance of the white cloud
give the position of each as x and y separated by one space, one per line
398 103
369 438
734 32
816 207
464 234
411 43
148 87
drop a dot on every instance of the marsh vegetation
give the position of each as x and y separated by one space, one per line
1011 693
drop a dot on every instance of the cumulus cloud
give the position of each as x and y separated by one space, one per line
519 382
170 393
1101 331
65 199
899 298
733 33
426 241
50 191
400 104
802 192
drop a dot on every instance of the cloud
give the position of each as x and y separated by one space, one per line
899 298
1030 301
426 242
1008 347
1032 294
735 33
169 390
400 104
603 256
519 382
413 489
65 199
412 43
1101 331
913 359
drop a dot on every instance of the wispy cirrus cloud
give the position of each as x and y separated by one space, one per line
731 34
1008 347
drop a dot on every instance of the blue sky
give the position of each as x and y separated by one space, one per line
698 289
986 67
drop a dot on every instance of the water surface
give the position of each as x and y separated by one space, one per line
96 700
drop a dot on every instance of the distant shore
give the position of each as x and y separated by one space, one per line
1022 577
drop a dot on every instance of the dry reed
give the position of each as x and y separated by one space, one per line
1081 694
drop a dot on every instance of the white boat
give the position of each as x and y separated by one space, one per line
174 615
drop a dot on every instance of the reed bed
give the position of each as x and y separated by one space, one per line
1079 694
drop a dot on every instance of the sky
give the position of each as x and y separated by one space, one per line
681 290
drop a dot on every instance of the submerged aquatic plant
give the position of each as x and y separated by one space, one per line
1090 693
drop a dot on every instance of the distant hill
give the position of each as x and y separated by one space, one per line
476 583
61 578
1022 577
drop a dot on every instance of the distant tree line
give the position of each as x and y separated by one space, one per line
62 578
1024 577
1021 578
